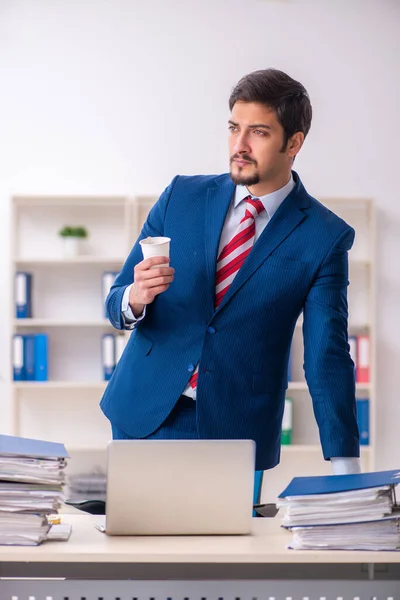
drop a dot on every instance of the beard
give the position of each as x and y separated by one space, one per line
247 180
240 178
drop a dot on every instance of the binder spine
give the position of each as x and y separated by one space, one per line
29 357
18 358
41 357
363 420
108 355
120 343
23 295
363 359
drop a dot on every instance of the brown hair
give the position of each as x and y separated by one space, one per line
277 90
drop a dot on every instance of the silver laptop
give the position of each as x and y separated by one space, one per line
176 487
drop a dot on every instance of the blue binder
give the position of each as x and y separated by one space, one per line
19 446
328 484
29 357
363 420
23 295
41 357
18 358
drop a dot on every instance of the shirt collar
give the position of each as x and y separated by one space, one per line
271 202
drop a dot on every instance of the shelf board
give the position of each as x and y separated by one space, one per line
353 327
302 386
70 201
360 262
60 323
77 260
348 202
313 448
301 448
58 385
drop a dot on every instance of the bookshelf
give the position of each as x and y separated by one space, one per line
67 305
304 455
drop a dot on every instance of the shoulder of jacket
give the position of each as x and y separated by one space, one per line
199 180
326 217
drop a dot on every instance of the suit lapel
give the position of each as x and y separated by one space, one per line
218 201
288 216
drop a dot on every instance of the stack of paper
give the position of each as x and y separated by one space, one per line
31 487
347 512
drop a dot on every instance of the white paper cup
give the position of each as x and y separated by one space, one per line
155 246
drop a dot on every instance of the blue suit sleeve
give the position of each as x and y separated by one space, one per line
328 367
154 226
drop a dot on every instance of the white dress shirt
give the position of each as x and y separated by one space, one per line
234 215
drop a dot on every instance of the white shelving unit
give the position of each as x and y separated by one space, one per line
304 456
67 305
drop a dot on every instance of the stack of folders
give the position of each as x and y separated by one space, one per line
30 357
31 488
343 512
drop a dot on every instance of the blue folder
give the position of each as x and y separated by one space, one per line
20 446
363 420
18 358
329 484
23 295
41 356
29 357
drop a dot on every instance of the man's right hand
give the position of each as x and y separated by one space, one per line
150 279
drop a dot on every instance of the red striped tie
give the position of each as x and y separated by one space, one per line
233 256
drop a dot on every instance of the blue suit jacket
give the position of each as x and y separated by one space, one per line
299 263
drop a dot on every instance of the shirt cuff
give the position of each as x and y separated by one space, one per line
345 465
129 318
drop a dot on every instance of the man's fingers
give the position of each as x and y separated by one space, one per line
154 291
141 275
154 282
152 261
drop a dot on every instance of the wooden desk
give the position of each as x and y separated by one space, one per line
211 567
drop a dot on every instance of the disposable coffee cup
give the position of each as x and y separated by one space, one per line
155 246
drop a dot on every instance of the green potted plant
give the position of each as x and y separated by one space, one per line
73 237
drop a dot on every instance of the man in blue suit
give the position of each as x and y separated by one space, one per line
250 251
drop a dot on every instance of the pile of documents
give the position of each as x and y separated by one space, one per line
343 512
31 488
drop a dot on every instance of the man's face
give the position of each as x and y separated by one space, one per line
256 142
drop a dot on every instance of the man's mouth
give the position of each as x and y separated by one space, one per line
241 163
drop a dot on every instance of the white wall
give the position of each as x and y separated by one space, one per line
118 96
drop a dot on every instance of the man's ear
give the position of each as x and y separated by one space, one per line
295 143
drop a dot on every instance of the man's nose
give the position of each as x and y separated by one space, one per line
241 144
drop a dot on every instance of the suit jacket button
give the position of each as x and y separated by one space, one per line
211 329
191 368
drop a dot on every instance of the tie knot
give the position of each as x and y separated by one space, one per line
254 206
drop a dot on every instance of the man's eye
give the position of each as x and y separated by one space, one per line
259 132
232 128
